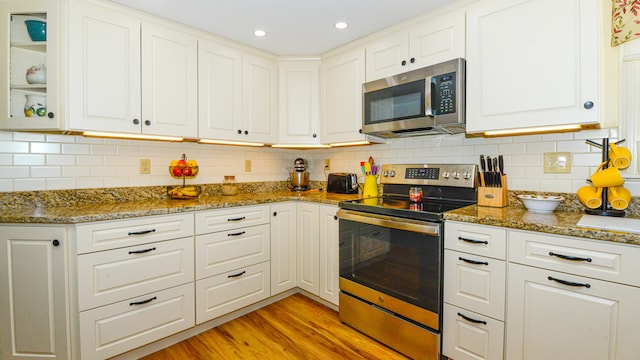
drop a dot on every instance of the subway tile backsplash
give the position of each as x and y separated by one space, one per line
32 161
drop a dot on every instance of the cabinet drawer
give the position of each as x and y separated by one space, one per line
598 259
232 218
224 293
120 327
475 283
109 276
228 250
476 239
106 235
470 336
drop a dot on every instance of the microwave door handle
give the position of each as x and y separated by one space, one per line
428 89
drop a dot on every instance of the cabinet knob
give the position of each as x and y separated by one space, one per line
246 132
403 63
50 115
360 131
588 105
147 122
314 136
275 213
412 60
136 121
335 217
56 242
239 132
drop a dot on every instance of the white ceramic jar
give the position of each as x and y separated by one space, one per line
37 74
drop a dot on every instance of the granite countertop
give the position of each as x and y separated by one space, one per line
557 223
79 213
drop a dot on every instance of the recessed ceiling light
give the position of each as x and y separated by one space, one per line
341 25
260 33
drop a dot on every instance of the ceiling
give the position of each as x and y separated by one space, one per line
294 27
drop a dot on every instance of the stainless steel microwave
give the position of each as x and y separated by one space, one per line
426 101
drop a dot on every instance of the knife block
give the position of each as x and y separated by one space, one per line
494 196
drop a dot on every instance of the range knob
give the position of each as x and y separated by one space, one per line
385 173
456 175
466 175
392 173
446 174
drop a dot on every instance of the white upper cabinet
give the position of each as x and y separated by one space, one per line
299 102
433 41
537 63
341 78
18 53
128 76
237 95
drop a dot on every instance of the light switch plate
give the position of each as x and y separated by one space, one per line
557 163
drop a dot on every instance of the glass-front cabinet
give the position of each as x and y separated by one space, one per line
29 65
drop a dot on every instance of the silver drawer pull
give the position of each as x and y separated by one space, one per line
142 302
570 283
568 257
143 232
236 275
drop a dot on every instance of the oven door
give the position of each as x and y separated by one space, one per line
401 258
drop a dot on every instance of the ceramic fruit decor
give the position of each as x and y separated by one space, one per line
183 169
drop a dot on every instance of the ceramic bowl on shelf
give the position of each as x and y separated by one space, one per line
37 30
541 203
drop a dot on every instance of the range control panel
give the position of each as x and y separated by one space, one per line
459 175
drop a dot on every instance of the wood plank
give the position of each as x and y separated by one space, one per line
293 328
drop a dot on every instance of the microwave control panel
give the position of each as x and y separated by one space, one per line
444 94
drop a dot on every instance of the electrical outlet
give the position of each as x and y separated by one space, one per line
145 166
557 163
327 164
247 166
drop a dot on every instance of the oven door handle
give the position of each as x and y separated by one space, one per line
423 227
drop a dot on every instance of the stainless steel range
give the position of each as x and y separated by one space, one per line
391 253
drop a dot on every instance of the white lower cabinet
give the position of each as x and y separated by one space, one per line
33 292
116 328
329 238
283 247
232 260
470 335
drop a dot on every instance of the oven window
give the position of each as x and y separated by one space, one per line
400 263
403 101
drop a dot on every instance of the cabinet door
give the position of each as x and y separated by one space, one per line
259 104
283 247
388 56
592 319
437 40
219 91
17 54
342 77
329 238
299 102
521 74
33 288
169 82
308 235
104 58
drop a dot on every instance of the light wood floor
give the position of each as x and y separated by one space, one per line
293 328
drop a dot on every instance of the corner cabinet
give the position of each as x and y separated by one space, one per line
18 53
341 79
433 41
130 76
33 299
237 94
299 102
523 75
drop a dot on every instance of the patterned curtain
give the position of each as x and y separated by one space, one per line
625 21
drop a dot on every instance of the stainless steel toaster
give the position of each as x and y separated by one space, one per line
342 183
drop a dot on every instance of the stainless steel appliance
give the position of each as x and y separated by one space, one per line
391 253
299 177
426 101
342 183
